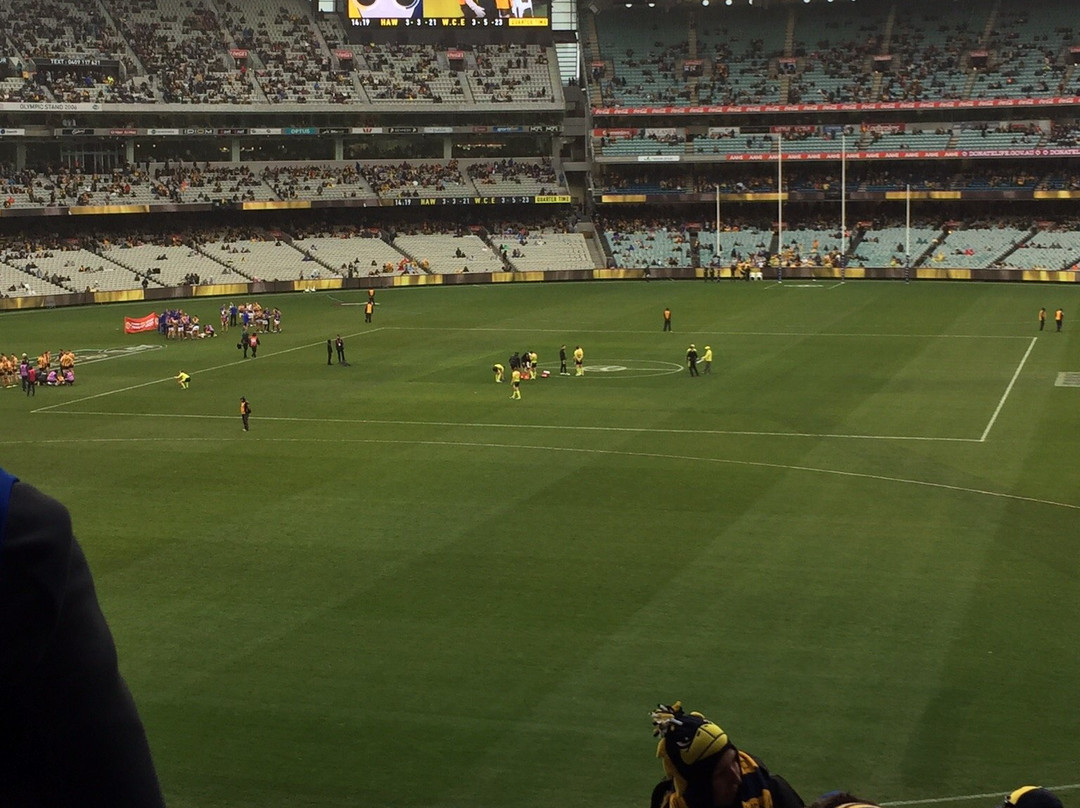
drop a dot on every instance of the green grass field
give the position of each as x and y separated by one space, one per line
853 545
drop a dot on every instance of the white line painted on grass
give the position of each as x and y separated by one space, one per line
519 329
1008 390
52 407
518 447
968 797
553 427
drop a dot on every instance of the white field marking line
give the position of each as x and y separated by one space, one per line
968 797
554 427
576 450
202 370
1008 390
716 333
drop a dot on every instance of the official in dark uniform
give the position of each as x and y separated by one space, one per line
562 362
691 360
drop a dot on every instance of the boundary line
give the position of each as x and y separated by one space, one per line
969 797
51 407
1008 390
858 475
518 328
551 427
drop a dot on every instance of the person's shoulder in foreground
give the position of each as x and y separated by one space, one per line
70 734
704 769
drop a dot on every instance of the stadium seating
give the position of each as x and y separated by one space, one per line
438 253
547 250
886 246
1054 249
977 247
645 50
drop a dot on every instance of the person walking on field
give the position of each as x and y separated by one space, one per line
1042 318
329 352
1059 318
369 307
339 343
245 412
667 319
706 360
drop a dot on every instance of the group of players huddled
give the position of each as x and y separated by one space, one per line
28 373
253 317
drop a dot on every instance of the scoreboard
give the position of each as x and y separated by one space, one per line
447 21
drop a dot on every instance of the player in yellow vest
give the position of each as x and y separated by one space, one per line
579 359
515 382
498 371
183 379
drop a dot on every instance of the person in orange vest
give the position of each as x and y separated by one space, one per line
1059 318
245 412
667 319
369 307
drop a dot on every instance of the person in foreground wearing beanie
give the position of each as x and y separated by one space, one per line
1032 797
704 769
70 734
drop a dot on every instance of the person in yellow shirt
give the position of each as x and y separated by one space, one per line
183 379
1059 318
534 371
579 360
498 371
706 360
515 382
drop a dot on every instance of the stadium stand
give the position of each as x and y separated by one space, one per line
361 125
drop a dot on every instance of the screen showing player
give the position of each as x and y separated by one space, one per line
382 9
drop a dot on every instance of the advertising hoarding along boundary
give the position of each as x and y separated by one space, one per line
875 106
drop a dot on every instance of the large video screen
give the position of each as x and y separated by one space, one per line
503 19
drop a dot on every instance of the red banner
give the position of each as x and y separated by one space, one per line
136 325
